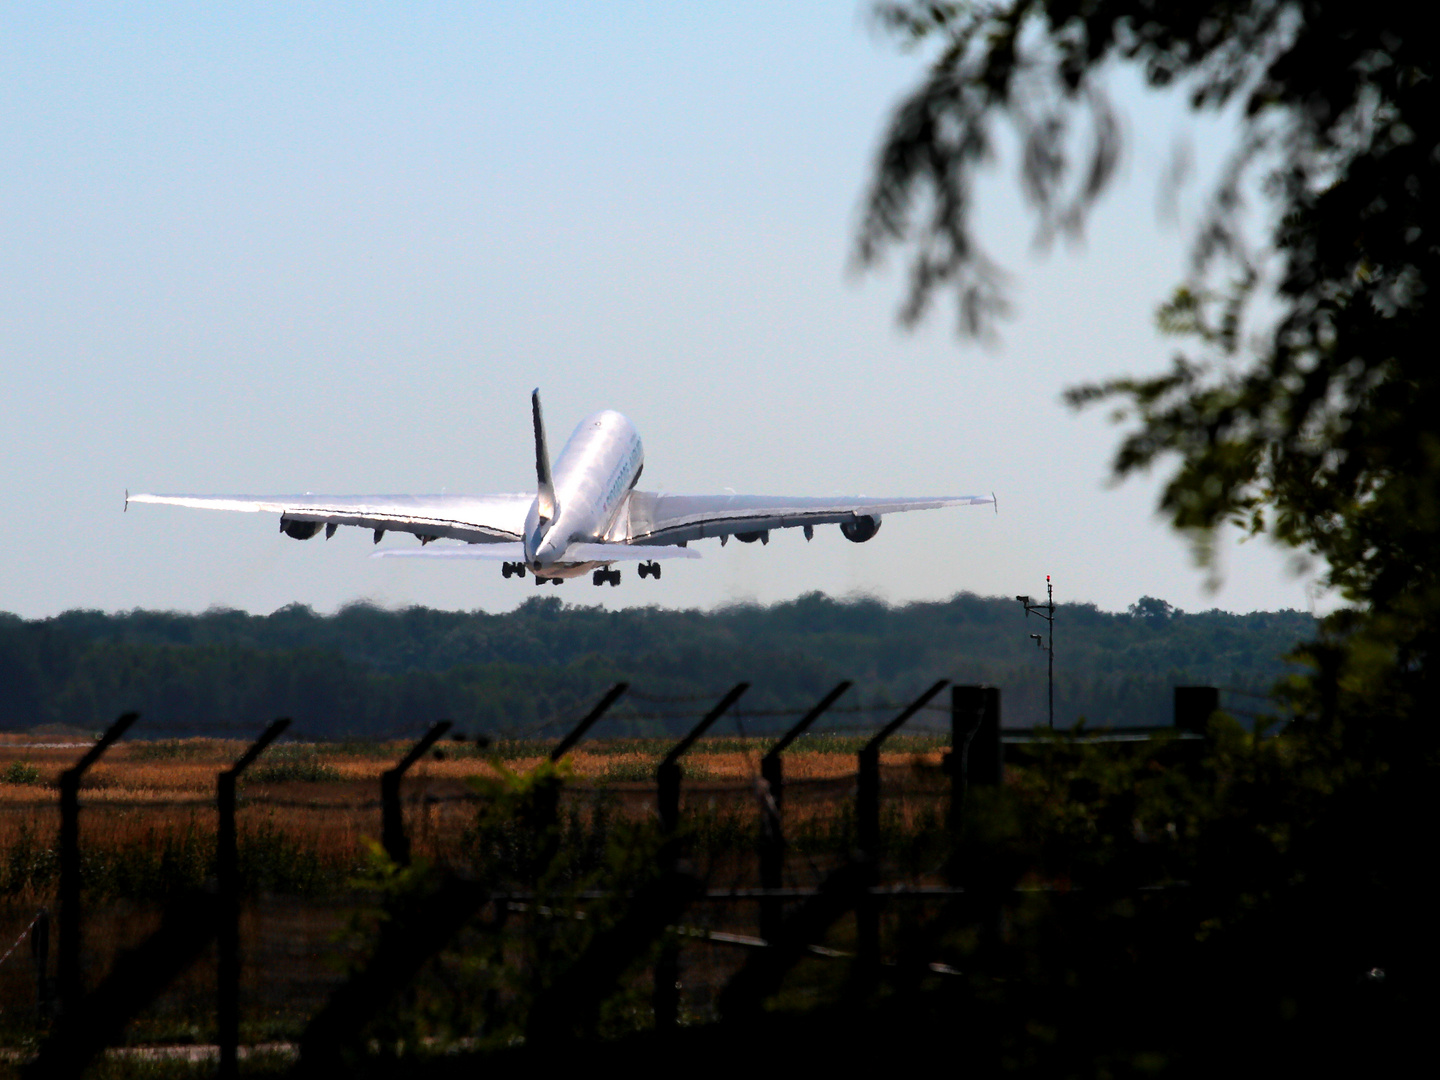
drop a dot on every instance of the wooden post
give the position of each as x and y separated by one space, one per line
70 915
1194 706
227 935
392 822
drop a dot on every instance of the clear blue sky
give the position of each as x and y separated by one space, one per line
327 248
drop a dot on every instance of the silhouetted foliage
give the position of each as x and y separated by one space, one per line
1322 432
1318 426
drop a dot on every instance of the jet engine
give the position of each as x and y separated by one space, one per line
300 530
861 529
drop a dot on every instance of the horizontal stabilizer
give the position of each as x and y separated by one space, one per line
575 553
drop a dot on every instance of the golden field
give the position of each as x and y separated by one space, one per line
143 798
148 826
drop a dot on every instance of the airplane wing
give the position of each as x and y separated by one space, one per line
478 519
657 518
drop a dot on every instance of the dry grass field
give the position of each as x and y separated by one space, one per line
309 808
308 819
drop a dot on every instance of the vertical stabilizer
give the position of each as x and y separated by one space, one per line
549 509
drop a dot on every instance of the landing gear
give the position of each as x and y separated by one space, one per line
650 569
606 577
515 568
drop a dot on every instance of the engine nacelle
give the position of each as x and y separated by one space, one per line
300 530
763 535
860 529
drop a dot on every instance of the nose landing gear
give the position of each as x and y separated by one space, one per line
606 577
650 569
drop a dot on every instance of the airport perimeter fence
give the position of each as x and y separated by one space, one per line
728 887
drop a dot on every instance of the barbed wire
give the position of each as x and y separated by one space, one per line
38 915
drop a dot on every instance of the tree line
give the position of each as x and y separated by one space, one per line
369 672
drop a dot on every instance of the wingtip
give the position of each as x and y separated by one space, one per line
127 502
995 501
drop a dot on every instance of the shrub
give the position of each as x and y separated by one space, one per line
642 771
291 764
20 772
171 749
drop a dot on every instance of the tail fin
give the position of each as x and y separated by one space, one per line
549 508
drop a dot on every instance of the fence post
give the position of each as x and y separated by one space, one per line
772 833
867 829
1194 706
392 823
98 1019
666 1000
227 876
564 746
669 774
976 754
40 951
69 913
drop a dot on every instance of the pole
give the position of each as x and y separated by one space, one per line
392 823
666 997
564 746
227 875
1050 595
966 712
867 829
772 835
69 906
1046 611
40 952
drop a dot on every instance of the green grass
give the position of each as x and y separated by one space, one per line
643 772
291 764
174 750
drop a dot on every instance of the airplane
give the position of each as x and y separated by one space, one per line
585 516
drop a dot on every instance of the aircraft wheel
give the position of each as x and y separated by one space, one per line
539 580
556 580
644 570
655 570
505 570
598 577
614 578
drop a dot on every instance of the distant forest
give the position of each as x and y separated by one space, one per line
365 672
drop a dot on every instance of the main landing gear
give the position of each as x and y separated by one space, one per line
606 577
515 568
650 569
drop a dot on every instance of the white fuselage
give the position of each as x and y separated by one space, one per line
592 476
